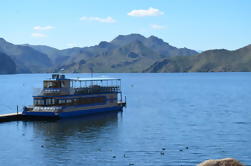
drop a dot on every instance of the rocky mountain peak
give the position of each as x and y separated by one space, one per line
156 39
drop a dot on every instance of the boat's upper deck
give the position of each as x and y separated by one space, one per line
59 85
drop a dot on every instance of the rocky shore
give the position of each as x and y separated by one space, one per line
221 162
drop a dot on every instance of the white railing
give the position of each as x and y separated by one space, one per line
71 91
46 109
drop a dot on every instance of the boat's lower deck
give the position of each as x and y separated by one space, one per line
71 111
73 105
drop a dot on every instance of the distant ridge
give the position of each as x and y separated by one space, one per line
218 60
125 53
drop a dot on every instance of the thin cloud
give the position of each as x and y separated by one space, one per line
157 27
98 19
38 35
148 12
43 28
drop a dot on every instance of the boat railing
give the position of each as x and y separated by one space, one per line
46 109
53 91
83 90
97 89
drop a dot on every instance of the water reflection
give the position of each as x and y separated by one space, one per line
62 139
69 127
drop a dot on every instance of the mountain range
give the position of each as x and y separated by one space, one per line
218 60
125 53
27 60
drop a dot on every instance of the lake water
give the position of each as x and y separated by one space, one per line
193 116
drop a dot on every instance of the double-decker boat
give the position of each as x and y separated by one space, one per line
62 97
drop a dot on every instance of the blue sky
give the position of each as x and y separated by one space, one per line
195 24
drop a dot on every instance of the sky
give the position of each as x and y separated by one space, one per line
194 24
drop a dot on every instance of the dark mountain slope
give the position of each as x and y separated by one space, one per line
52 53
26 58
7 65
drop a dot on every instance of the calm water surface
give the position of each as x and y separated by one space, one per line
194 116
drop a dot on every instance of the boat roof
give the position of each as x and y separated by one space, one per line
62 77
93 79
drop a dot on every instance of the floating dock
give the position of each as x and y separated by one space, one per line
11 117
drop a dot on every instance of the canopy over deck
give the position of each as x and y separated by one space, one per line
95 79
101 81
60 81
62 77
60 85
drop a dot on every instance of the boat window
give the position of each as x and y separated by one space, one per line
92 100
52 84
48 101
39 102
62 84
53 101
35 102
44 102
75 101
61 101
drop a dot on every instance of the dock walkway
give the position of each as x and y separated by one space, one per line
11 117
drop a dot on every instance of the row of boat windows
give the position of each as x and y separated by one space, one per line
75 101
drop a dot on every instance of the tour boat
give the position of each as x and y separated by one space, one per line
62 97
